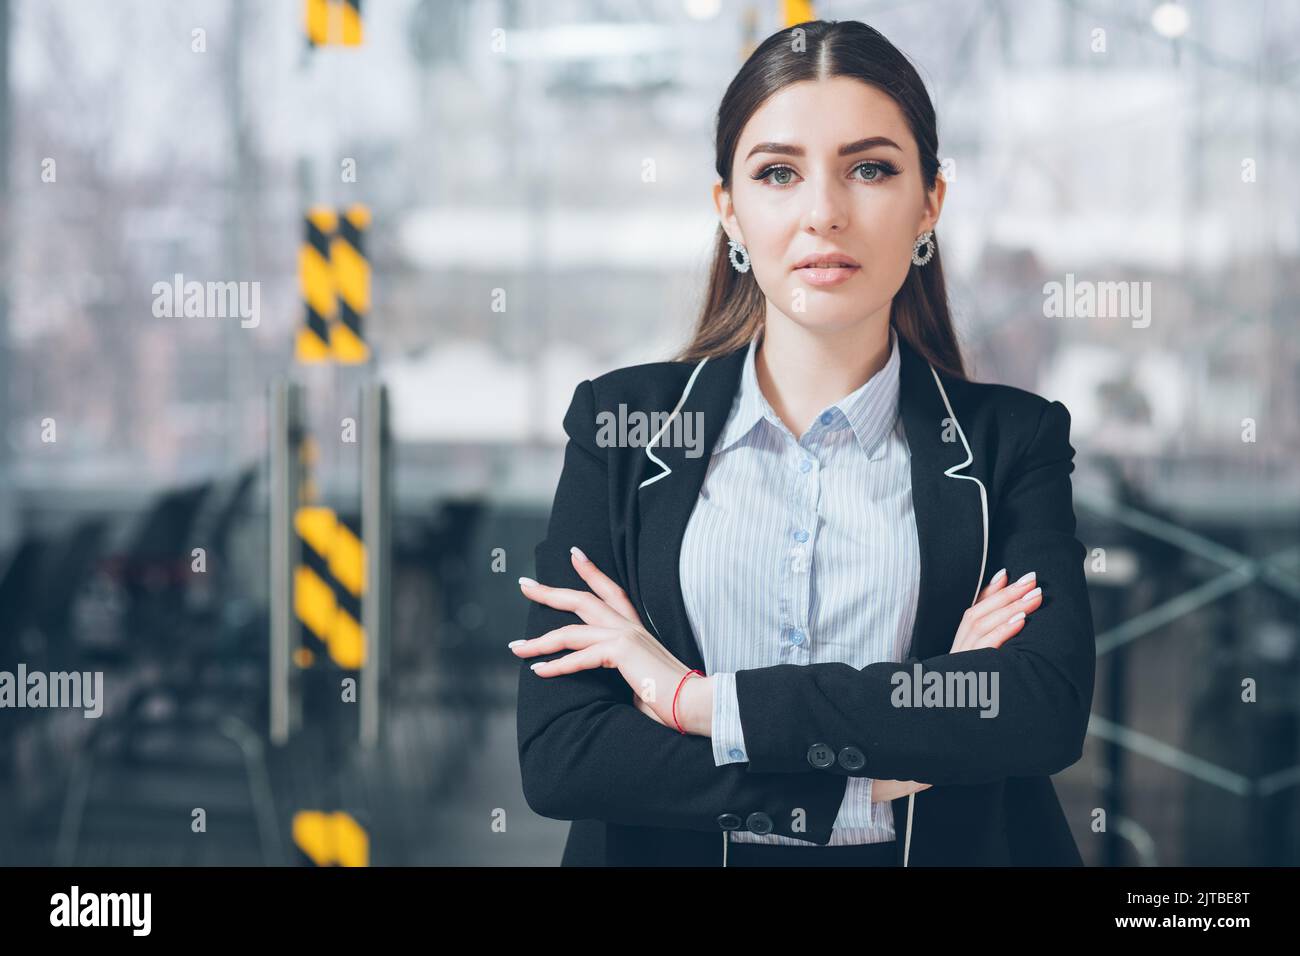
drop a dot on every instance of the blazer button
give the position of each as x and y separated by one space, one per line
759 822
821 756
851 758
729 821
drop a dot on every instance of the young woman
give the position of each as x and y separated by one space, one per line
769 634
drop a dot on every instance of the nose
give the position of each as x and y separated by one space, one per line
828 206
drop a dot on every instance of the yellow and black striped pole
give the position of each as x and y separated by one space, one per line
351 13
348 572
313 594
352 283
334 277
307 648
329 586
317 22
329 579
330 839
316 283
333 22
796 11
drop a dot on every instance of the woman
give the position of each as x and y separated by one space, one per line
827 673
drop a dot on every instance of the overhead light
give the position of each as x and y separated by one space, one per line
589 41
702 9
1170 20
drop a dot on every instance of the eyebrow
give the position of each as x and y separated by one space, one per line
848 149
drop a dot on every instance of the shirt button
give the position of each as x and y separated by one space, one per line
797 636
735 753
826 418
801 535
805 466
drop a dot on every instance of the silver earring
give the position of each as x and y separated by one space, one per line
738 249
925 239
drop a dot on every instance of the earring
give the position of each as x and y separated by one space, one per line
925 239
737 248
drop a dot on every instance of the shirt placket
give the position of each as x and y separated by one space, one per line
803 463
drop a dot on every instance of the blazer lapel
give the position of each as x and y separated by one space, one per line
950 507
666 497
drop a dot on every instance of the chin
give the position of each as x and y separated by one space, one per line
824 320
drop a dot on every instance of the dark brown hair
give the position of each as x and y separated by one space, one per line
734 309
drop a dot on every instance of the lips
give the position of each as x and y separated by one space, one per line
827 260
826 270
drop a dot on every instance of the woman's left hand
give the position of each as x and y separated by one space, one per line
613 636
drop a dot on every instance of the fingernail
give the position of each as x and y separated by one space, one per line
520 641
1000 575
1027 578
578 551
1031 595
1019 615
536 664
527 582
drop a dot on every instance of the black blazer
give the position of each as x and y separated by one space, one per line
991 489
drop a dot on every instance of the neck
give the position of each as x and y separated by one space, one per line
801 371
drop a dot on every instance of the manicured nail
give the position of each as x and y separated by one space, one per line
1031 595
1018 616
527 582
1027 578
999 576
578 551
536 664
520 641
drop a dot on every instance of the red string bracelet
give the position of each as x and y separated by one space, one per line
678 691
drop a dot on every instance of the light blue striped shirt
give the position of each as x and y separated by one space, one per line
804 551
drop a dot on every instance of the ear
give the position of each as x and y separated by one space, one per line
933 204
727 212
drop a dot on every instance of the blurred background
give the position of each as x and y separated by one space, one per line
433 220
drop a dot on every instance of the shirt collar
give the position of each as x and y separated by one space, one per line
870 410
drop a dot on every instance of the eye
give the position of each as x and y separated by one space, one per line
767 171
881 169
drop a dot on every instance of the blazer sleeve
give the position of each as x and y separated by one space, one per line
1044 673
585 751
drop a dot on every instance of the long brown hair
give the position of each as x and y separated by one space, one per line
733 308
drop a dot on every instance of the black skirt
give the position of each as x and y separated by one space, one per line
779 854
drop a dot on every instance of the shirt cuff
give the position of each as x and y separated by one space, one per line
728 735
856 809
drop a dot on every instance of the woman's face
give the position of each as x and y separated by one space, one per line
804 182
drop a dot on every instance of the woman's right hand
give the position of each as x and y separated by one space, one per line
998 613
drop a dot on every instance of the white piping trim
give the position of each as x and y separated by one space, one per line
649 454
668 471
984 501
907 840
984 512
